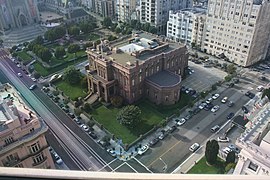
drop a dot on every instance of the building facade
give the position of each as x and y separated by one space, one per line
22 134
15 14
142 65
124 9
105 8
238 30
157 12
187 26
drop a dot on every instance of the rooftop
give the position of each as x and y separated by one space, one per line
126 51
78 13
165 79
194 10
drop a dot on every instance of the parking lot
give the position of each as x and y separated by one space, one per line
203 78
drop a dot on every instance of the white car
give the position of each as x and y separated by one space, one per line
223 139
259 88
111 152
58 160
226 150
143 149
215 108
209 100
85 127
194 147
19 66
215 96
181 122
20 74
33 79
202 105
224 100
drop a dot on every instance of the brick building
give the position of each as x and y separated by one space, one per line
141 65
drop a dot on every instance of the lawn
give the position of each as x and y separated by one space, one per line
68 57
43 71
24 56
202 168
107 117
71 91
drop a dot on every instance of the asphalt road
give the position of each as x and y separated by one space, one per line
77 150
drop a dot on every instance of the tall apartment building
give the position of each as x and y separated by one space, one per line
187 25
142 65
254 158
238 30
124 9
156 12
22 134
105 8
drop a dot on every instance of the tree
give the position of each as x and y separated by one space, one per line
152 30
107 22
228 78
211 151
266 92
129 116
230 157
117 30
84 82
73 48
117 101
231 69
44 53
74 30
59 52
87 107
39 40
72 75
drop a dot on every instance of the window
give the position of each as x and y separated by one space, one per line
253 166
34 148
19 165
9 140
133 82
38 158
140 78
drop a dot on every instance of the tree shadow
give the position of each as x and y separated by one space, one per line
181 138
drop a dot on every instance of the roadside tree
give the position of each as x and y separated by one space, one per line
72 75
231 69
266 92
230 157
211 151
73 48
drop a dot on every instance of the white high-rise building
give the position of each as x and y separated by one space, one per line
187 25
124 9
238 30
156 12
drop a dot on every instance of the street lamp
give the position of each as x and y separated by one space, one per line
165 165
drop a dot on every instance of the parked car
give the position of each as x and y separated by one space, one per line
209 100
183 88
226 150
215 96
153 142
78 121
187 117
259 88
223 139
71 115
143 149
245 109
230 104
111 152
194 147
34 79
230 115
202 105
172 129
208 107
92 134
58 160
85 127
224 100
263 78
180 122
250 94
66 110
215 108
215 128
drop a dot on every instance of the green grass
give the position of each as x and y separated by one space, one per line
202 168
93 37
68 57
24 56
107 117
72 91
43 71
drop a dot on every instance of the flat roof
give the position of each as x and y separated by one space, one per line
147 44
164 78
240 121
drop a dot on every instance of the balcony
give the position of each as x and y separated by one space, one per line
12 162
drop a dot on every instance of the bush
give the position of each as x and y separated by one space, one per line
87 107
77 111
228 78
66 101
36 75
117 101
55 93
90 123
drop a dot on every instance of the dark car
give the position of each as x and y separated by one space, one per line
66 110
93 135
230 104
183 88
196 110
192 92
172 129
251 95
71 115
244 108
153 142
262 78
230 115
187 117
32 87
208 107
231 84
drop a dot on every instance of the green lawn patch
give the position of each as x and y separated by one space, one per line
202 168
93 37
44 71
107 117
24 56
72 91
